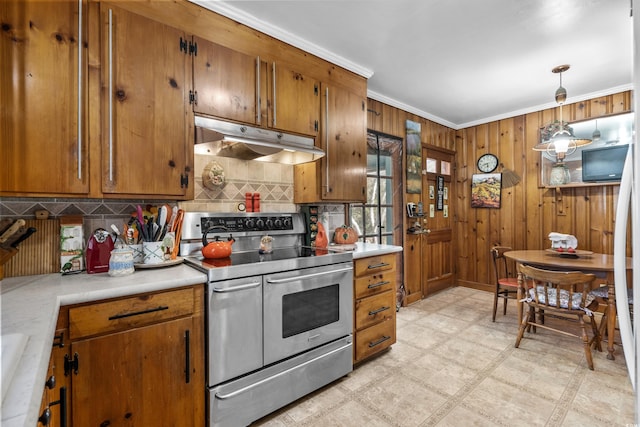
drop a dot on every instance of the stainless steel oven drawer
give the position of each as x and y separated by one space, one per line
247 399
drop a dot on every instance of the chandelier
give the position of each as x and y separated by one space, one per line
557 138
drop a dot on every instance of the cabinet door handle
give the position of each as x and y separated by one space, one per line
79 146
45 417
326 136
137 313
273 67
380 310
187 357
63 406
378 342
375 285
258 100
110 53
51 382
382 264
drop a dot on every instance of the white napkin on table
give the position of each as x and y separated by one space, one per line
564 241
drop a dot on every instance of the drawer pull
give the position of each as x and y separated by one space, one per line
381 309
380 341
137 313
382 264
375 285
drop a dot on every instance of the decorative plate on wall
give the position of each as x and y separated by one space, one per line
213 175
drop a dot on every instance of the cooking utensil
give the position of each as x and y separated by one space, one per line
11 230
178 231
172 220
23 237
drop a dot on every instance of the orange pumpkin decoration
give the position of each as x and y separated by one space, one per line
345 235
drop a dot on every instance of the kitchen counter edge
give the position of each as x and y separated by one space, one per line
364 250
30 306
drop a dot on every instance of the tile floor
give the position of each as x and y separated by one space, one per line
451 366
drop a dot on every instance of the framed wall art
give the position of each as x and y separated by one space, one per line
485 190
414 158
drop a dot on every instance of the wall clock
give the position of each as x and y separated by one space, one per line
487 163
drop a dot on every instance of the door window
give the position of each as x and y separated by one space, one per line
376 221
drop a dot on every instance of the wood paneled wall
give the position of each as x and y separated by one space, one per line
528 212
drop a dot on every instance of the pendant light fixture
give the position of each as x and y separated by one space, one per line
561 142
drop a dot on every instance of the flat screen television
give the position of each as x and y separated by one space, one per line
603 164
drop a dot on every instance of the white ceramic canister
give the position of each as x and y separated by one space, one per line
121 262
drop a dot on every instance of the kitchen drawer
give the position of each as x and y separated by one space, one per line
374 283
374 264
131 312
374 309
375 339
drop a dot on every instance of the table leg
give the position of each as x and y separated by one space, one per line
611 320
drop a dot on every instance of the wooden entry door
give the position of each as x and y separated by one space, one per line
437 244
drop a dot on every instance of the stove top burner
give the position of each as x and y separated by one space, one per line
242 264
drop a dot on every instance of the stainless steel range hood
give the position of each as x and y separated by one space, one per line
219 138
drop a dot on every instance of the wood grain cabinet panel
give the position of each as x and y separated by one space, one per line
42 92
374 305
146 79
341 174
131 361
225 82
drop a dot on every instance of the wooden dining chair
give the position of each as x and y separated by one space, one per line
559 295
506 285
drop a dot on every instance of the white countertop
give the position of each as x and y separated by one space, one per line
364 250
30 306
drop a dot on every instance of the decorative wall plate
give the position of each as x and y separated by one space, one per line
213 175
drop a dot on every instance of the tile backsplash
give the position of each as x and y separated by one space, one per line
273 181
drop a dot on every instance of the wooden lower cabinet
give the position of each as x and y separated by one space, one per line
374 305
137 361
55 410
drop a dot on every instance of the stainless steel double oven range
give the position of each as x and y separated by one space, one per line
279 324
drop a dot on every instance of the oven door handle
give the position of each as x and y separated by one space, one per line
237 288
279 374
307 276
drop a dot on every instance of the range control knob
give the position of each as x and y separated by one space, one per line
250 224
287 225
269 224
278 224
260 224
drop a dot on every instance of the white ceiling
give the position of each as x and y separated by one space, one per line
458 62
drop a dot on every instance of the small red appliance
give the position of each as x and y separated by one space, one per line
98 251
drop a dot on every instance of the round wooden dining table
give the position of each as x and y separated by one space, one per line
601 265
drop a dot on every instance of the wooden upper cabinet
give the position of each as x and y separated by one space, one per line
344 140
43 91
145 84
294 101
341 174
225 82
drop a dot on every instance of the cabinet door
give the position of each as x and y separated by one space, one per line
413 267
140 377
144 149
294 101
43 144
344 141
225 82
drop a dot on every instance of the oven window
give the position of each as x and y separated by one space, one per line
307 310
